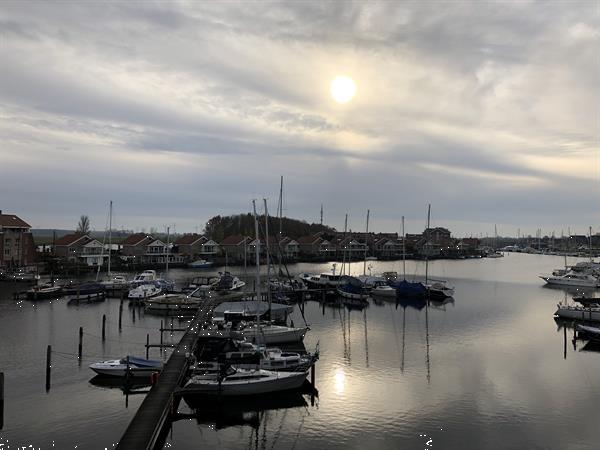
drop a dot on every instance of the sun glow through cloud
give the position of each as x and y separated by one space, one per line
342 89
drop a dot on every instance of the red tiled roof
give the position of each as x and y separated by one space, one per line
233 240
136 238
70 239
188 239
12 221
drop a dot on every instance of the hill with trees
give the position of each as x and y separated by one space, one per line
220 227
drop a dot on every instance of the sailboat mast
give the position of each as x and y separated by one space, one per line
366 237
167 262
257 259
591 258
267 248
403 250
109 234
426 252
343 271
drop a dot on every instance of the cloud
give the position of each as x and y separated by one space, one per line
472 108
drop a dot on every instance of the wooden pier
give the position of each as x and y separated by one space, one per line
145 428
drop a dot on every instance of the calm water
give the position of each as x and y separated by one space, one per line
486 371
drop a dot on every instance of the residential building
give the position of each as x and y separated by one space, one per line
235 248
80 248
17 248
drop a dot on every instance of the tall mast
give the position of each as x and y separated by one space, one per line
591 259
257 259
343 271
280 211
321 213
109 234
426 252
366 237
167 263
267 248
403 250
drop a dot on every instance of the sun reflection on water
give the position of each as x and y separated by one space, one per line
340 380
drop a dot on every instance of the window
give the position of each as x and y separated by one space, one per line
7 252
7 242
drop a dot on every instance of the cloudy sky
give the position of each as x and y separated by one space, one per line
178 111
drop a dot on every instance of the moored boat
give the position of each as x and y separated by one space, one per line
236 382
578 312
138 367
200 264
44 292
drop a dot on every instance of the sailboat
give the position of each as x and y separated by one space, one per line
117 281
495 253
266 333
405 288
438 290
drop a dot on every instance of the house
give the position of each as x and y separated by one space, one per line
351 248
143 248
387 248
17 248
315 246
189 246
80 248
235 248
289 248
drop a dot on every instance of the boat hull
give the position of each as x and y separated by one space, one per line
284 381
578 313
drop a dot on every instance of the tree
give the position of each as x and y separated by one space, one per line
84 224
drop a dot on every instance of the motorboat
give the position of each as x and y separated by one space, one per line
383 289
239 381
269 358
351 288
578 312
228 282
587 301
87 288
572 278
116 282
267 334
44 292
248 310
144 291
172 303
138 367
200 264
205 283
438 290
145 277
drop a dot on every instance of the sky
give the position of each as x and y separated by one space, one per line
180 111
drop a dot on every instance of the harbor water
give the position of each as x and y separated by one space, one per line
491 369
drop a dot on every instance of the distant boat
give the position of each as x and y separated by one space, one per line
244 382
200 264
87 288
228 282
44 292
138 367
572 279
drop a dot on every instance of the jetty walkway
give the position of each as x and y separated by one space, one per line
144 429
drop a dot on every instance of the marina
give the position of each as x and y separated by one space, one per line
424 351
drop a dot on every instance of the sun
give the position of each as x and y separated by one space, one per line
342 89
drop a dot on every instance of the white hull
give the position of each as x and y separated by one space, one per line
268 335
560 281
383 292
277 381
116 368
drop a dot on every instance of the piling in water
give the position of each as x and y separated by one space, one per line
48 366
80 348
103 327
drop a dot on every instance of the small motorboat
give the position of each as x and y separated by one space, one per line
144 291
138 367
382 289
44 292
200 264
116 282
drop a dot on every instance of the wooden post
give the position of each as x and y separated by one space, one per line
120 314
48 366
133 309
161 336
80 344
147 345
565 341
103 327
312 376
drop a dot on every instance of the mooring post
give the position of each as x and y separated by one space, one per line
48 366
133 309
312 376
80 350
120 314
1 400
565 341
147 345
103 327
161 336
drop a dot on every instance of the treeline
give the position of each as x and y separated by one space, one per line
220 227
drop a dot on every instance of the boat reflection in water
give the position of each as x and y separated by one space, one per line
230 412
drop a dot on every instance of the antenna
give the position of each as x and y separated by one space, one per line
321 213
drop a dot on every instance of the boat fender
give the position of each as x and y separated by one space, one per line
154 378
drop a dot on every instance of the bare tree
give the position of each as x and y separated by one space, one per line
84 224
